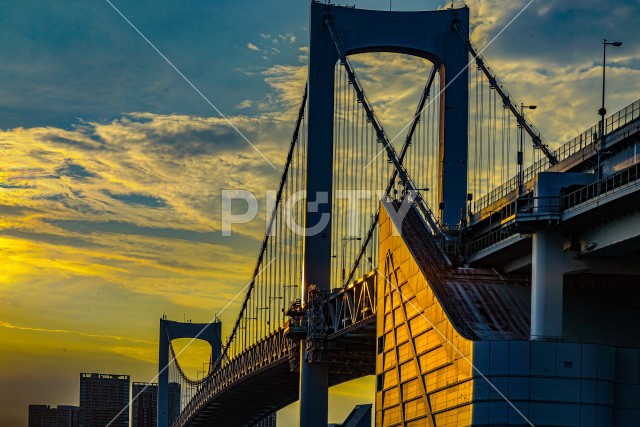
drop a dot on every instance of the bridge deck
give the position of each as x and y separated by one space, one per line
248 397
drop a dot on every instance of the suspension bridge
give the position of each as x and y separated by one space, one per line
484 274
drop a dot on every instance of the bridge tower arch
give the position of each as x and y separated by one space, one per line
170 330
430 35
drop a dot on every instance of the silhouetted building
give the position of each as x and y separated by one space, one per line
68 416
359 417
42 416
173 402
62 416
144 407
104 399
268 421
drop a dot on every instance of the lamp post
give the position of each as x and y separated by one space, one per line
521 148
603 111
344 248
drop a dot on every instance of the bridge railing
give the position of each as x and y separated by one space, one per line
589 136
488 239
606 185
622 117
270 349
524 209
530 207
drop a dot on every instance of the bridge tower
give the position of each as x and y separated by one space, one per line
170 330
430 35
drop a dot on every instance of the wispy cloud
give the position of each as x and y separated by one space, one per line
252 46
8 325
288 38
247 103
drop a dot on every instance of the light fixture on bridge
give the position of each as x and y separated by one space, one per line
603 111
521 148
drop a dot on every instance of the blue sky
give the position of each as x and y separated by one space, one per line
113 165
81 59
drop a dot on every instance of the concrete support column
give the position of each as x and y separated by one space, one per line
314 378
314 396
454 111
546 285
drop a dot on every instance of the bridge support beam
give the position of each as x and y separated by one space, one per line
546 285
314 377
314 396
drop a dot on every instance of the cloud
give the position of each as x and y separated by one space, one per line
247 103
140 215
542 31
8 325
252 46
73 170
287 83
393 83
138 199
98 67
288 38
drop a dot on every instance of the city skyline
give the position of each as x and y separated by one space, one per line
111 194
101 399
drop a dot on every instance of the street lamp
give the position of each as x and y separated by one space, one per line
344 248
521 148
603 111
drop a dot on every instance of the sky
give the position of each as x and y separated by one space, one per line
113 164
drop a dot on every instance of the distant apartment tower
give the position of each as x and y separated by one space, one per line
42 416
268 421
173 402
68 416
144 404
62 416
144 408
102 398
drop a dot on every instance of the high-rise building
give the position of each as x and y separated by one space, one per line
104 399
173 402
42 416
144 407
62 416
68 416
